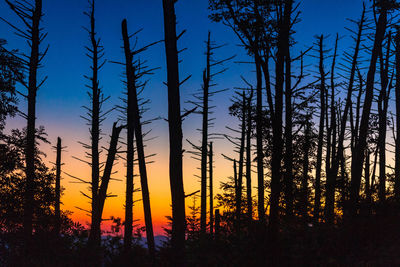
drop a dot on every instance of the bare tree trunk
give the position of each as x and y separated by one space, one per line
130 142
33 14
259 144
343 121
144 184
134 119
210 169
248 159
241 163
235 178
367 180
304 182
94 236
374 172
359 151
128 229
175 132
276 172
58 188
217 224
382 113
102 193
343 184
354 126
204 143
321 129
288 177
331 140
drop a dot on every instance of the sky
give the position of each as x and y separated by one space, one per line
60 100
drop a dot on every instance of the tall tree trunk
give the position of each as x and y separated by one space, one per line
248 159
33 65
382 114
343 121
204 142
133 110
322 126
343 183
374 171
304 181
259 143
210 169
367 180
331 139
276 161
130 143
94 236
102 193
359 151
241 161
175 132
235 179
58 188
288 178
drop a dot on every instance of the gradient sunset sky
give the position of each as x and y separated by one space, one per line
60 101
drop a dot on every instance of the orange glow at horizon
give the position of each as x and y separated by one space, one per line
158 175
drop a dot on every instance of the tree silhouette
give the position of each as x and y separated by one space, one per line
134 71
321 117
211 185
203 102
175 132
359 150
57 210
31 15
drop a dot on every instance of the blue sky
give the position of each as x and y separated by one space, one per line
64 92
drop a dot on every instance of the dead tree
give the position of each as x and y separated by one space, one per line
95 93
58 188
94 118
330 136
306 165
31 16
336 157
204 141
359 149
288 156
175 132
367 176
128 228
383 103
355 122
238 109
134 71
248 156
283 29
241 163
322 110
259 140
210 169
95 233
235 180
202 102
